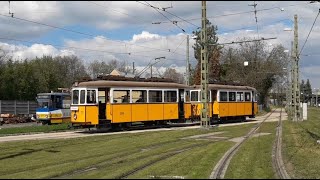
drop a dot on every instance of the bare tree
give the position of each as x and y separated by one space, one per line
171 73
263 68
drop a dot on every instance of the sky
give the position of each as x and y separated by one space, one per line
141 31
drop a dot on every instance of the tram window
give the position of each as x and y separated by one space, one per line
82 96
139 96
187 96
102 96
58 102
223 96
232 96
155 96
239 96
66 102
214 95
247 96
194 95
255 97
91 96
170 96
121 96
75 96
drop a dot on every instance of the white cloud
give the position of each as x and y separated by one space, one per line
156 40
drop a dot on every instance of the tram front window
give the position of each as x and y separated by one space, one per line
44 103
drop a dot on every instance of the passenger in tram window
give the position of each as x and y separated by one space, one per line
140 99
125 99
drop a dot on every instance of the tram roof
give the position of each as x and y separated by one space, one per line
222 86
53 93
106 83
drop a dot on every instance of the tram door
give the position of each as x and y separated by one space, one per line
213 99
253 99
102 98
181 104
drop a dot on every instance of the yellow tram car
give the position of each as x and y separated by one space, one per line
226 102
106 103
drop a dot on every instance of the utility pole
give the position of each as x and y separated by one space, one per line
296 81
204 68
187 65
291 82
133 68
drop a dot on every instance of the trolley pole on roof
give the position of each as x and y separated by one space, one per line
204 69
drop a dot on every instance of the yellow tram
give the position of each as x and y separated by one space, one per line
226 102
103 103
109 103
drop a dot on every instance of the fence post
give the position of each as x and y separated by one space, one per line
28 107
0 106
15 107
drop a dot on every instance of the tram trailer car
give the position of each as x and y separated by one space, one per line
226 102
104 103
53 108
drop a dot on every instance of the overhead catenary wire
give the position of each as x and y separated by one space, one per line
83 49
173 22
309 33
73 31
238 13
255 15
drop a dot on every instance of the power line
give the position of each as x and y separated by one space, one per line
83 49
117 11
238 13
179 44
255 15
173 22
309 33
174 15
86 34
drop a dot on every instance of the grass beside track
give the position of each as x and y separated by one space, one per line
114 155
254 158
300 148
32 129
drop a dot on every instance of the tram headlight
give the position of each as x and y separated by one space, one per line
75 116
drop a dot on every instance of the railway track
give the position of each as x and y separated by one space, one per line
222 166
277 161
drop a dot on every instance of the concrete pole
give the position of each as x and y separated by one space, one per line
187 65
204 69
296 85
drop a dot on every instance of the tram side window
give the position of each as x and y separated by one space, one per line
232 96
75 96
82 96
66 102
170 96
239 96
223 96
101 96
247 96
91 96
214 95
139 96
155 96
187 96
194 95
58 102
121 96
